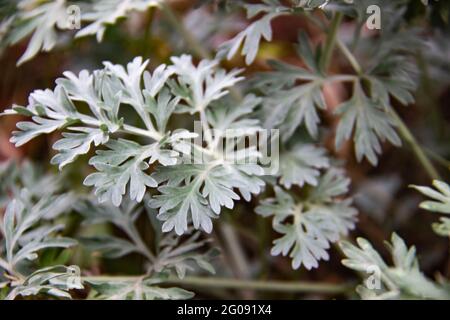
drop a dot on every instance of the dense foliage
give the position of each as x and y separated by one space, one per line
154 185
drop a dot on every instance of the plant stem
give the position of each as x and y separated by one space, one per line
436 157
226 283
133 233
8 268
206 129
236 253
350 57
418 151
5 265
201 52
331 41
278 286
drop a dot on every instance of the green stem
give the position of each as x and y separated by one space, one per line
9 269
350 57
331 41
226 283
201 52
278 286
237 254
133 233
418 151
436 157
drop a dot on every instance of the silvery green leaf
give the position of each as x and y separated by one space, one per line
100 91
126 164
219 192
8 176
52 103
77 143
130 80
118 152
123 217
399 86
301 164
178 205
225 115
51 110
391 70
282 76
107 12
205 81
94 212
8 225
332 183
111 181
170 252
41 20
196 193
22 238
30 130
28 251
14 178
154 82
250 38
263 7
28 227
285 75
54 281
182 255
161 107
371 125
443 227
440 197
139 289
402 280
294 107
287 105
5 27
109 246
362 258
316 223
440 203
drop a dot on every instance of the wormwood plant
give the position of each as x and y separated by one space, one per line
162 194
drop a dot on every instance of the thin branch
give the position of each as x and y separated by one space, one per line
417 149
8 268
331 41
133 233
350 57
227 283
263 285
436 157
